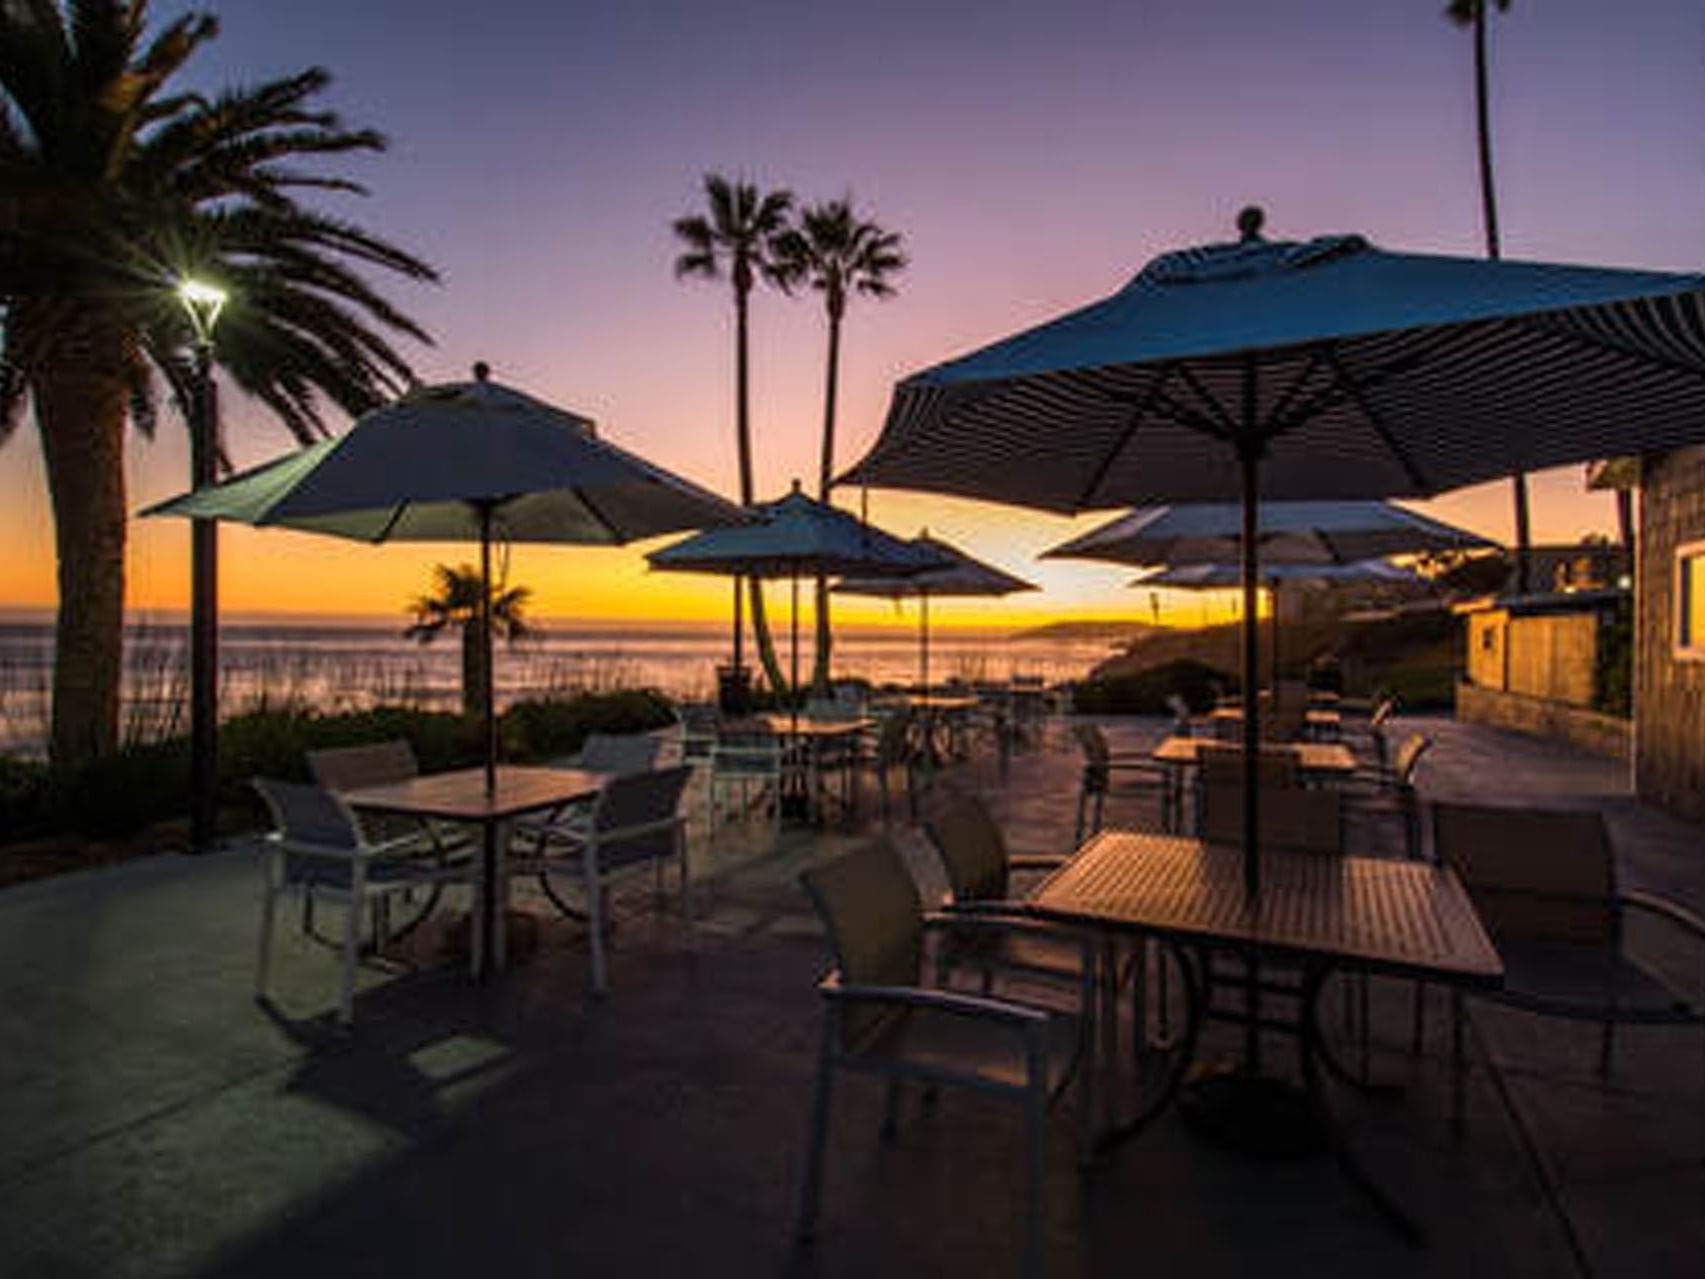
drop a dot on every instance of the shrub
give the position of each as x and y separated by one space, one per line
1145 692
23 796
123 792
547 727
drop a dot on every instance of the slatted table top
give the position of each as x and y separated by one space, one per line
1407 918
462 796
940 702
1318 717
1313 757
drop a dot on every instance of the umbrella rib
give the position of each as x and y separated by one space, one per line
604 523
1316 357
1592 341
1129 430
1227 425
390 525
1350 390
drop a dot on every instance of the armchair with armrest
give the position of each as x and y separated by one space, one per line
879 1018
1106 775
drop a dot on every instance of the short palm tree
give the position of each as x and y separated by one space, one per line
838 254
737 239
455 602
113 187
1472 14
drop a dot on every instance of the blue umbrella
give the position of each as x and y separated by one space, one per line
798 536
1305 370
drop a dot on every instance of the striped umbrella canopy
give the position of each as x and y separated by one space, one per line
961 575
468 461
1322 369
798 536
1299 533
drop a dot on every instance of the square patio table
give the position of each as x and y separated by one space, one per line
1400 918
1321 759
812 734
461 796
1323 723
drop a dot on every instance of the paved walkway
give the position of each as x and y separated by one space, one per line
154 1122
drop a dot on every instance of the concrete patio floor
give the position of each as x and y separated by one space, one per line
154 1121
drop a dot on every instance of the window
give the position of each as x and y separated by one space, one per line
1690 601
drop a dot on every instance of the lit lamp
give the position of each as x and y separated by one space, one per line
202 303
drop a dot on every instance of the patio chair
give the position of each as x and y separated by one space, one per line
891 749
635 819
1544 885
696 724
1391 792
880 1018
346 768
1106 775
317 846
979 868
746 761
618 753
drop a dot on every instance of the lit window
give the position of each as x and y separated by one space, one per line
1690 601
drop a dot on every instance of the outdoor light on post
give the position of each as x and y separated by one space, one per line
202 302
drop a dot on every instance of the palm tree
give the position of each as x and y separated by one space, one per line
838 254
1472 14
738 238
114 188
455 601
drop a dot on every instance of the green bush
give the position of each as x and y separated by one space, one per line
123 792
549 727
23 796
1145 692
1613 676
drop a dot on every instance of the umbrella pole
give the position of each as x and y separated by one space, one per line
923 641
793 644
488 696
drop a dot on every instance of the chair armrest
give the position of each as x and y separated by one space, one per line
1676 913
1002 917
1038 861
954 1002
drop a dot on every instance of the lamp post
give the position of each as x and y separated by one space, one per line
202 302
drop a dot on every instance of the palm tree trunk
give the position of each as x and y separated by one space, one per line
825 474
80 401
743 438
1494 250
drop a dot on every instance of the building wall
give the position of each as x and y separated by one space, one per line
1488 640
1669 693
1553 657
1542 717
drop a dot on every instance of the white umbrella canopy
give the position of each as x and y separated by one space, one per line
1291 533
1326 369
468 461
961 575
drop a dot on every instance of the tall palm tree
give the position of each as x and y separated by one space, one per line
113 187
455 602
838 254
1472 15
737 238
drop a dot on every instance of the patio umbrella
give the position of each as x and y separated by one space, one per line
1324 369
1208 577
797 536
468 461
962 575
1291 533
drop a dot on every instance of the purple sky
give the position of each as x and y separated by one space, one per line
1034 156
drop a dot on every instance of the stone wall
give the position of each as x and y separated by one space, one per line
1669 692
1542 717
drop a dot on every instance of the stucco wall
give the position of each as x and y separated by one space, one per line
1544 717
1669 693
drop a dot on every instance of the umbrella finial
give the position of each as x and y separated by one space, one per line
1249 222
796 487
482 371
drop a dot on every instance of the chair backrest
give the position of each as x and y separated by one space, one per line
309 815
1093 743
893 739
1180 714
1308 821
1408 757
373 764
972 849
1533 874
1284 723
871 910
1222 765
1289 694
850 694
1384 710
637 816
620 753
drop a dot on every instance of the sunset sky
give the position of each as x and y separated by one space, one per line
1033 155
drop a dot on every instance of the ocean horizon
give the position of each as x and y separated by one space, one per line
333 663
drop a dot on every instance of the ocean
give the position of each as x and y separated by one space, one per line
344 664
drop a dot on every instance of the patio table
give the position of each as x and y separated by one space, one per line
1317 761
461 796
1402 918
811 736
1322 724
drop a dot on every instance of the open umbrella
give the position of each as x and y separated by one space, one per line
961 575
796 537
468 461
1208 577
1322 369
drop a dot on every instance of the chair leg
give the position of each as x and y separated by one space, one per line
1606 1046
1077 836
594 917
1418 1016
891 1108
1458 1082
269 909
351 945
811 1190
686 881
1035 1129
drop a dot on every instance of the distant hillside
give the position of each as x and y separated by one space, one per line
1113 632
